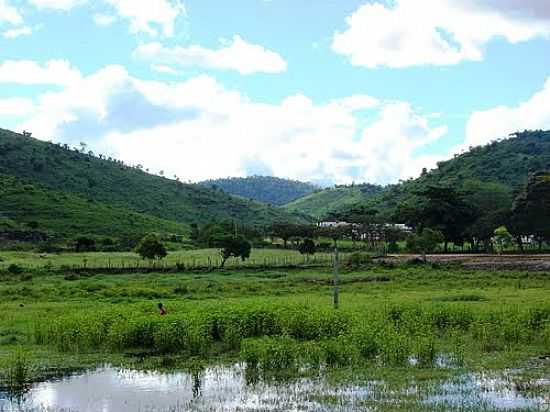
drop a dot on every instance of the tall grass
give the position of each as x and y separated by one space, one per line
271 335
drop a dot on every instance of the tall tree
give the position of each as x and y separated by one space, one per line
235 246
492 203
442 209
531 210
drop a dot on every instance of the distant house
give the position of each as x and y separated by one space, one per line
26 134
333 224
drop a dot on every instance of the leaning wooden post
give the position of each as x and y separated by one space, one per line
336 279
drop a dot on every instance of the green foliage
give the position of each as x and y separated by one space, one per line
503 238
234 246
357 260
85 244
307 247
286 336
531 211
114 183
266 189
150 247
15 269
63 216
321 203
506 163
442 209
425 242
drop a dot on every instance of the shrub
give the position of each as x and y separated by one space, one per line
358 259
15 269
85 244
150 247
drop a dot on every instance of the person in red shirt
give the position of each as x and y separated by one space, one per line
162 310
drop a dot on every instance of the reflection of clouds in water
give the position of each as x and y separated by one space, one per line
226 388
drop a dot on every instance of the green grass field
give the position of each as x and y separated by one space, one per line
202 257
277 319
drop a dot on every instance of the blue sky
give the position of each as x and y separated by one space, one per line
327 91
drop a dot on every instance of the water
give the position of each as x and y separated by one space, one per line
109 389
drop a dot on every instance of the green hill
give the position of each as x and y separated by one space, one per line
266 189
26 208
112 182
506 163
322 202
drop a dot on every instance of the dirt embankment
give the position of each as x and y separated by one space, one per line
488 262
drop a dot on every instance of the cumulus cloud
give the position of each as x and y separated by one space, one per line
436 32
487 125
104 19
17 32
15 107
199 129
57 4
53 72
148 16
9 14
238 55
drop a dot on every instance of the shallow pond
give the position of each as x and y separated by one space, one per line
236 389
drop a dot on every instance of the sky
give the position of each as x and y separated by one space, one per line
327 91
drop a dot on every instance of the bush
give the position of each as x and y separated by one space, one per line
150 247
15 269
358 259
85 244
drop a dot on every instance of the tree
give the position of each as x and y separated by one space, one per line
424 242
493 204
85 244
442 209
235 246
283 231
307 247
194 235
150 247
531 209
503 238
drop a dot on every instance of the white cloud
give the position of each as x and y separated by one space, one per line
436 32
9 14
57 4
199 129
104 19
164 69
15 107
53 72
18 32
487 125
239 55
149 15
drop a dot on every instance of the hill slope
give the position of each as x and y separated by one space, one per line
507 163
322 202
266 189
111 182
57 214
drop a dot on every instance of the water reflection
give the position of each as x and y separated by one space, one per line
236 388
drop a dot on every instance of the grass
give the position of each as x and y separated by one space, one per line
194 258
278 319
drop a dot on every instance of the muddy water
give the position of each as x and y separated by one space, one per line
110 389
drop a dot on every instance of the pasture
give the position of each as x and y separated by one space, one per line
396 322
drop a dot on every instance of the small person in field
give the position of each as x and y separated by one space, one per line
162 310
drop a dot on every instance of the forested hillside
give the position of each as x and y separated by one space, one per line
112 182
322 202
266 189
36 211
506 164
